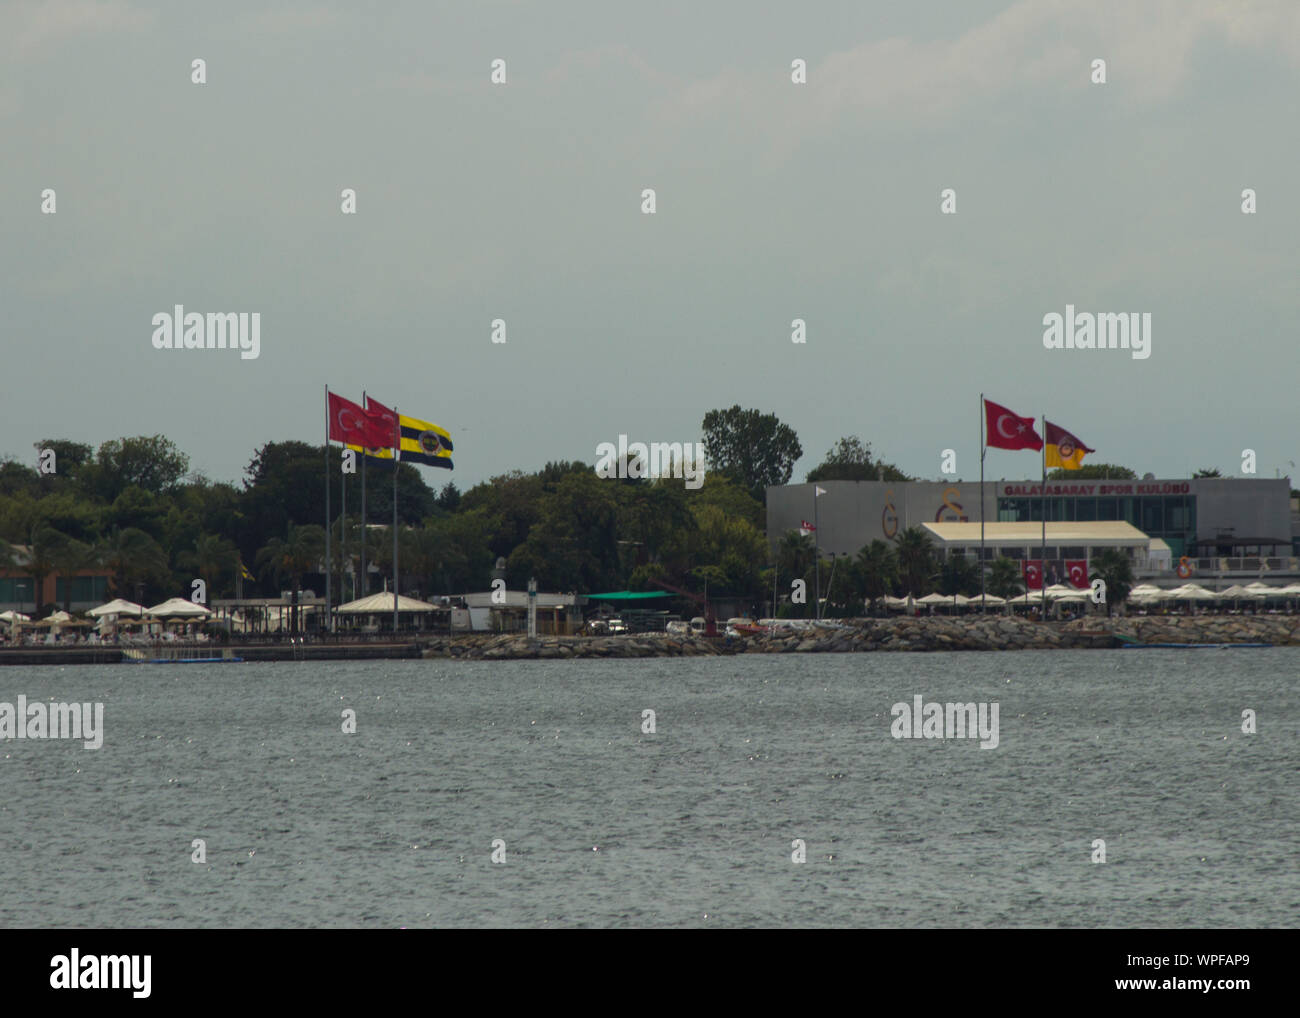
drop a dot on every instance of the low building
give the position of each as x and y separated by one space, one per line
1218 526
80 591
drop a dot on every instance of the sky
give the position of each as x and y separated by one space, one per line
774 201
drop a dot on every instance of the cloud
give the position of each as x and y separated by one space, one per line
38 24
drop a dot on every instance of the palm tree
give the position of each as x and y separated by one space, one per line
44 545
69 556
959 575
1004 578
212 559
877 564
1114 568
301 552
132 557
915 560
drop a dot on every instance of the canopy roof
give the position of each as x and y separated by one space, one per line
630 595
178 607
1096 533
378 604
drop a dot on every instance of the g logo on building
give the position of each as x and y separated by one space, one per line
889 516
951 493
430 443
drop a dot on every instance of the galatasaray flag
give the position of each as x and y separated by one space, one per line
1063 449
422 441
1005 430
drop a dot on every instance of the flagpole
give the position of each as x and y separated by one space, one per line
365 455
343 536
983 605
1042 494
397 458
328 565
817 556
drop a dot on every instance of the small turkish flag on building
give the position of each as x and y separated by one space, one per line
1032 570
1076 570
805 528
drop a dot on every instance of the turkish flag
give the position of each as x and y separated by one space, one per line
1076 570
351 425
1032 570
388 423
1005 430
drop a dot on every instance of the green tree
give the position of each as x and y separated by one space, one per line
294 556
132 558
754 448
877 564
1004 579
1093 472
850 459
42 557
1115 568
795 555
68 557
153 464
959 575
573 546
1207 472
212 559
916 560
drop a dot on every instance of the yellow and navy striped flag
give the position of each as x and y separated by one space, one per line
422 442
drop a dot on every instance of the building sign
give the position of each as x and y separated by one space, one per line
889 516
1107 488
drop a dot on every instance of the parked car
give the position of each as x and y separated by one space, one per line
678 628
617 626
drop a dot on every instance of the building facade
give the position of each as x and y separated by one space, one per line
1220 524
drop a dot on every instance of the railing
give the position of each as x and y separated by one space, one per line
1251 566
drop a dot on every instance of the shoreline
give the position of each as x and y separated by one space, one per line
923 634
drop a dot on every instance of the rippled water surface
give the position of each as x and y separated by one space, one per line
603 825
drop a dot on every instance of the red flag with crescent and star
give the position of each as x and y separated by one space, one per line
1006 430
352 425
1032 569
1076 570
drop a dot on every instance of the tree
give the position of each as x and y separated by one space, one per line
42 553
68 556
959 575
449 497
212 558
151 463
1113 567
294 556
877 564
850 460
1210 472
916 560
132 557
795 555
1004 579
754 448
1093 472
573 546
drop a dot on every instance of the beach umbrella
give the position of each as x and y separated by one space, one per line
117 606
1192 592
1059 590
178 607
984 600
14 617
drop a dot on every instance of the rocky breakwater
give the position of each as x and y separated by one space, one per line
1280 630
483 647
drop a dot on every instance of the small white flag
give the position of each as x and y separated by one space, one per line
820 491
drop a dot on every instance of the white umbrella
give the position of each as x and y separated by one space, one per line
178 607
117 607
1146 593
1059 590
1192 592
12 616
1238 592
987 599
935 599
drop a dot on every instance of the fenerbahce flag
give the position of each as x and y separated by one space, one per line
1063 449
422 441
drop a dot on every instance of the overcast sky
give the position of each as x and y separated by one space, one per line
775 201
